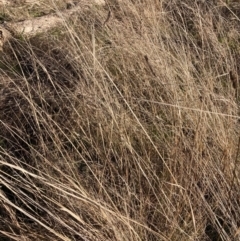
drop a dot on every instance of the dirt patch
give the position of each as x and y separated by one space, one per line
37 24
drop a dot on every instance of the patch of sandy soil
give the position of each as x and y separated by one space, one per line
39 2
39 24
11 2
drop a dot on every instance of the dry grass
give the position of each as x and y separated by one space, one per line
125 129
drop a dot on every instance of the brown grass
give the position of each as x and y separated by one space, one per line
123 127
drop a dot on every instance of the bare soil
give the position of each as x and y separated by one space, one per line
31 17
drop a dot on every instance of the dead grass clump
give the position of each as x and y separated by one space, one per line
125 129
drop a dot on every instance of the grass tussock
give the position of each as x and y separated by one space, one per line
123 124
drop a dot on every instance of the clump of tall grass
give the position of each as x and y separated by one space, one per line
123 125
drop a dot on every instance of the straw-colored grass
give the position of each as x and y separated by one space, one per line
123 124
